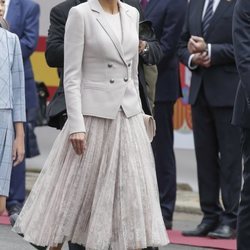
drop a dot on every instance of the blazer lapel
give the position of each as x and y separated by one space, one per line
124 22
223 5
150 6
95 6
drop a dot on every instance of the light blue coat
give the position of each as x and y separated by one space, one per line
12 93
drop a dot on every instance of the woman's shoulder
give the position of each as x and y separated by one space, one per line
129 9
80 8
9 35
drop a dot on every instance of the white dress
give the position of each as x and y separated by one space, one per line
106 198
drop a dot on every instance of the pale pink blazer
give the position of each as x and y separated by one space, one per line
100 72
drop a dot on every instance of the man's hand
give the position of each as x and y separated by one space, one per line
201 59
196 44
78 142
206 60
142 46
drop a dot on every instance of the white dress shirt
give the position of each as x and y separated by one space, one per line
7 3
216 3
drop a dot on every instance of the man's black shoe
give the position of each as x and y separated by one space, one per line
223 232
14 209
13 219
201 230
168 224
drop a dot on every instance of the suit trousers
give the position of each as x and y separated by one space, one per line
163 147
17 186
243 227
218 156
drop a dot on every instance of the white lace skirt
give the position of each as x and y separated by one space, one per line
105 199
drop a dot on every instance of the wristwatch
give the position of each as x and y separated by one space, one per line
145 50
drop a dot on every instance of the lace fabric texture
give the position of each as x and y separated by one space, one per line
105 199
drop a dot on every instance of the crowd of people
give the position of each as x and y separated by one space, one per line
105 184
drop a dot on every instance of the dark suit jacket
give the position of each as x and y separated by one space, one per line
221 79
167 17
23 19
241 37
55 47
151 58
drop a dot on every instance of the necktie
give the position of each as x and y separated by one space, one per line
207 17
144 4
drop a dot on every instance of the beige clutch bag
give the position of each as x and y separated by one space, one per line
150 126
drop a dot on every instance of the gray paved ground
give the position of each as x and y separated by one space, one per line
11 241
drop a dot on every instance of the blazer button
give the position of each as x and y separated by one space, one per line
112 81
110 65
125 79
129 64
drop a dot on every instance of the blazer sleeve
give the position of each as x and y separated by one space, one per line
30 34
172 27
73 57
222 54
241 39
154 54
17 73
55 42
183 52
135 62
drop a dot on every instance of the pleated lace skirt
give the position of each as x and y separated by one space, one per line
105 199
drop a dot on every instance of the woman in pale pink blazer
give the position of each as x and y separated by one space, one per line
98 186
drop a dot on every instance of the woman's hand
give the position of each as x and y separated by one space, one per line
78 142
18 150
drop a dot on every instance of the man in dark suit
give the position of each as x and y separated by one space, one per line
150 54
167 17
55 56
206 48
23 19
241 117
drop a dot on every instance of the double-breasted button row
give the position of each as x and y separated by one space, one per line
110 65
125 79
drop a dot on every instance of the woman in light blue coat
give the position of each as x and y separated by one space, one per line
12 107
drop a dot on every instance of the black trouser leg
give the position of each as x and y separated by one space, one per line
230 164
164 157
206 150
243 226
